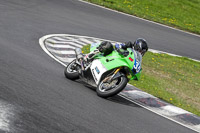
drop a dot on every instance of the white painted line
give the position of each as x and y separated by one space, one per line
62 51
60 46
80 43
63 45
197 127
75 44
69 37
41 42
72 41
161 52
65 59
164 112
139 18
137 94
60 39
175 110
85 40
50 40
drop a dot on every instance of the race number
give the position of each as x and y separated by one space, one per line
137 66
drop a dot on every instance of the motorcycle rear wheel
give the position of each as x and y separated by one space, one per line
119 84
71 73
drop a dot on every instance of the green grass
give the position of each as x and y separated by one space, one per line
182 14
173 79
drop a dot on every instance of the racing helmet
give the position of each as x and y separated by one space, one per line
141 46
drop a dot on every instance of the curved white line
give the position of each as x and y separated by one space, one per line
41 42
60 46
62 51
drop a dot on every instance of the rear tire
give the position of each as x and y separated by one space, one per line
71 73
119 86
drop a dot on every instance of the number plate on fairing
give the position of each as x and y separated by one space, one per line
97 70
137 66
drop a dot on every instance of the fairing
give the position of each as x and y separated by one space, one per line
115 60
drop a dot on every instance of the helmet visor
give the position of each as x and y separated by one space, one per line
143 51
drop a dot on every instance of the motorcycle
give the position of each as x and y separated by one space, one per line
109 73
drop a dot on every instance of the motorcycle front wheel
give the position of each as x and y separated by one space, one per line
70 71
109 89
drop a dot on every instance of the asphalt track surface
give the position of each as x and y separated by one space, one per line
33 86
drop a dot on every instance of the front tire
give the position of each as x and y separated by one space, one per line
71 73
118 86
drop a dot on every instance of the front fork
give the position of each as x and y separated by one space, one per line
114 76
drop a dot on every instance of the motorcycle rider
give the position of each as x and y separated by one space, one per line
139 48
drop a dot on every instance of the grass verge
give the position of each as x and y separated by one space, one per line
182 14
172 79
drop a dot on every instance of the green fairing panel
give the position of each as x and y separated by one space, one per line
136 76
115 60
111 63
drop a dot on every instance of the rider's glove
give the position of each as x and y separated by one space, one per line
119 46
123 52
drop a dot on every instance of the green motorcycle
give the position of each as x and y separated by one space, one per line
109 73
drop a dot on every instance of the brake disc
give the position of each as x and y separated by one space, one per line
108 86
